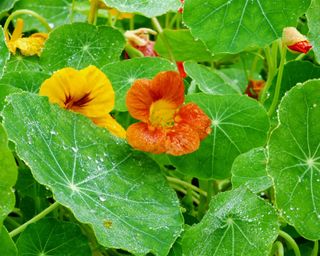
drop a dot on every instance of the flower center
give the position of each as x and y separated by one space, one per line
162 113
73 104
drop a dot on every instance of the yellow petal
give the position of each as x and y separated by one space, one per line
112 125
32 45
17 33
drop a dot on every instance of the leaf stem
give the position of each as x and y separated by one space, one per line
315 248
279 80
277 249
34 219
28 12
93 11
187 185
291 242
182 190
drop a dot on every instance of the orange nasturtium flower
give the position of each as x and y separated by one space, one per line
167 125
295 41
87 91
28 46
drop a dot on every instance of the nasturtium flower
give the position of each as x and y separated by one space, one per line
295 41
167 124
87 91
254 88
28 46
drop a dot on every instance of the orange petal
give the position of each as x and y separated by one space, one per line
139 99
111 125
181 139
169 86
193 116
141 137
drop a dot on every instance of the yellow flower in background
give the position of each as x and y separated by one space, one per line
28 46
120 15
87 91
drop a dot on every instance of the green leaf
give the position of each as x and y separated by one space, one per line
18 63
120 192
183 46
7 246
249 169
294 153
80 45
314 27
239 124
122 75
5 90
55 12
25 80
6 5
232 26
52 237
8 177
237 222
4 52
148 8
211 81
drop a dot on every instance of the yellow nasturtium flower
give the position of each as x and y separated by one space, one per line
28 46
87 91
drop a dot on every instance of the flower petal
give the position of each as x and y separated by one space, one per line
181 139
111 124
141 137
193 116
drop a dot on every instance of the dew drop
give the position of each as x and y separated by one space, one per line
102 198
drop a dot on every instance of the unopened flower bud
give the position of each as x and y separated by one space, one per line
295 41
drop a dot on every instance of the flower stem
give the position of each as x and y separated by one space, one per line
315 248
34 219
158 27
93 11
187 185
279 80
291 242
277 249
182 190
27 12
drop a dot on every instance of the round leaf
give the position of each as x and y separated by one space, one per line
18 63
122 75
4 52
232 26
7 246
237 221
80 45
211 81
249 169
120 192
149 8
294 153
314 27
6 5
51 237
239 124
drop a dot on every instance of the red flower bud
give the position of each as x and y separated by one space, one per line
295 41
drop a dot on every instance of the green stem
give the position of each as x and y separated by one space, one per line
72 10
93 11
34 219
131 23
158 27
182 190
173 20
315 249
290 241
132 52
27 12
279 80
254 64
187 185
277 249
12 222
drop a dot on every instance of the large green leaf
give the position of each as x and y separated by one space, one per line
232 26
4 52
294 153
120 192
51 237
5 90
122 75
55 12
80 45
183 46
314 27
147 8
7 246
6 5
239 124
249 169
25 80
237 223
211 81
8 177
20 63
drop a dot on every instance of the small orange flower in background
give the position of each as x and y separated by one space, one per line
167 125
87 91
295 41
254 88
28 46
